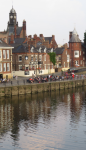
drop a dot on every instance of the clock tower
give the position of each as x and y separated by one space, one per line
12 18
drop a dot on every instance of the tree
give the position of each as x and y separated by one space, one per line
85 37
52 57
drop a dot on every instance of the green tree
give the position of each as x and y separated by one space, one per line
52 57
85 37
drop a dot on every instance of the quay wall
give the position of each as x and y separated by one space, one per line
40 87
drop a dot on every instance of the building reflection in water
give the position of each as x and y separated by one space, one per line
28 111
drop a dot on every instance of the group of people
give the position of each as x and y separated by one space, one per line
49 78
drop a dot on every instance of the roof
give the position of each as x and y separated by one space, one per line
23 48
3 44
12 10
48 39
19 40
11 30
59 50
74 39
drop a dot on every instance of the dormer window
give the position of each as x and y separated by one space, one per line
32 49
45 50
51 50
40 50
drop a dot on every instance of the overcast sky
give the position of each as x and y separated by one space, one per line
47 17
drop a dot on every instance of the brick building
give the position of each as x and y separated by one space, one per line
76 51
13 29
5 60
32 60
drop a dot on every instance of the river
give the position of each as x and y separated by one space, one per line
44 121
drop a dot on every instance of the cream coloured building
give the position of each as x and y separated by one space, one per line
5 60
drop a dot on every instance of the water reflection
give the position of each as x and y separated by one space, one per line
44 121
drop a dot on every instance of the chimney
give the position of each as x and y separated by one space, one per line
12 39
53 36
41 35
35 36
70 35
24 28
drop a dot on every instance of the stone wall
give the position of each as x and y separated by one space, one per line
41 87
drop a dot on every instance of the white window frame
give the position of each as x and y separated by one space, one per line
0 54
20 56
44 57
40 57
8 66
76 54
19 67
4 67
4 54
1 67
80 53
7 54
45 66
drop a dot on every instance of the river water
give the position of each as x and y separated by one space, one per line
44 121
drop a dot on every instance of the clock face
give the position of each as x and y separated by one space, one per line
15 17
11 16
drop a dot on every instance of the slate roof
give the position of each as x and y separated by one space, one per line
3 44
11 30
74 39
48 38
23 48
59 50
19 40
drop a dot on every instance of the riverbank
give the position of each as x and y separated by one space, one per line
41 87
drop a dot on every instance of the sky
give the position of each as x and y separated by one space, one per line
47 17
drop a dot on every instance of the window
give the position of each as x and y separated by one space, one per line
81 62
8 67
51 50
31 57
59 58
32 49
67 58
0 67
40 50
80 52
0 54
45 58
36 57
76 62
4 67
45 66
4 54
45 50
40 57
26 57
64 64
20 58
76 54
83 58
83 52
7 54
20 67
59 64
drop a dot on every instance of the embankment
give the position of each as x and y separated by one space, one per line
41 87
